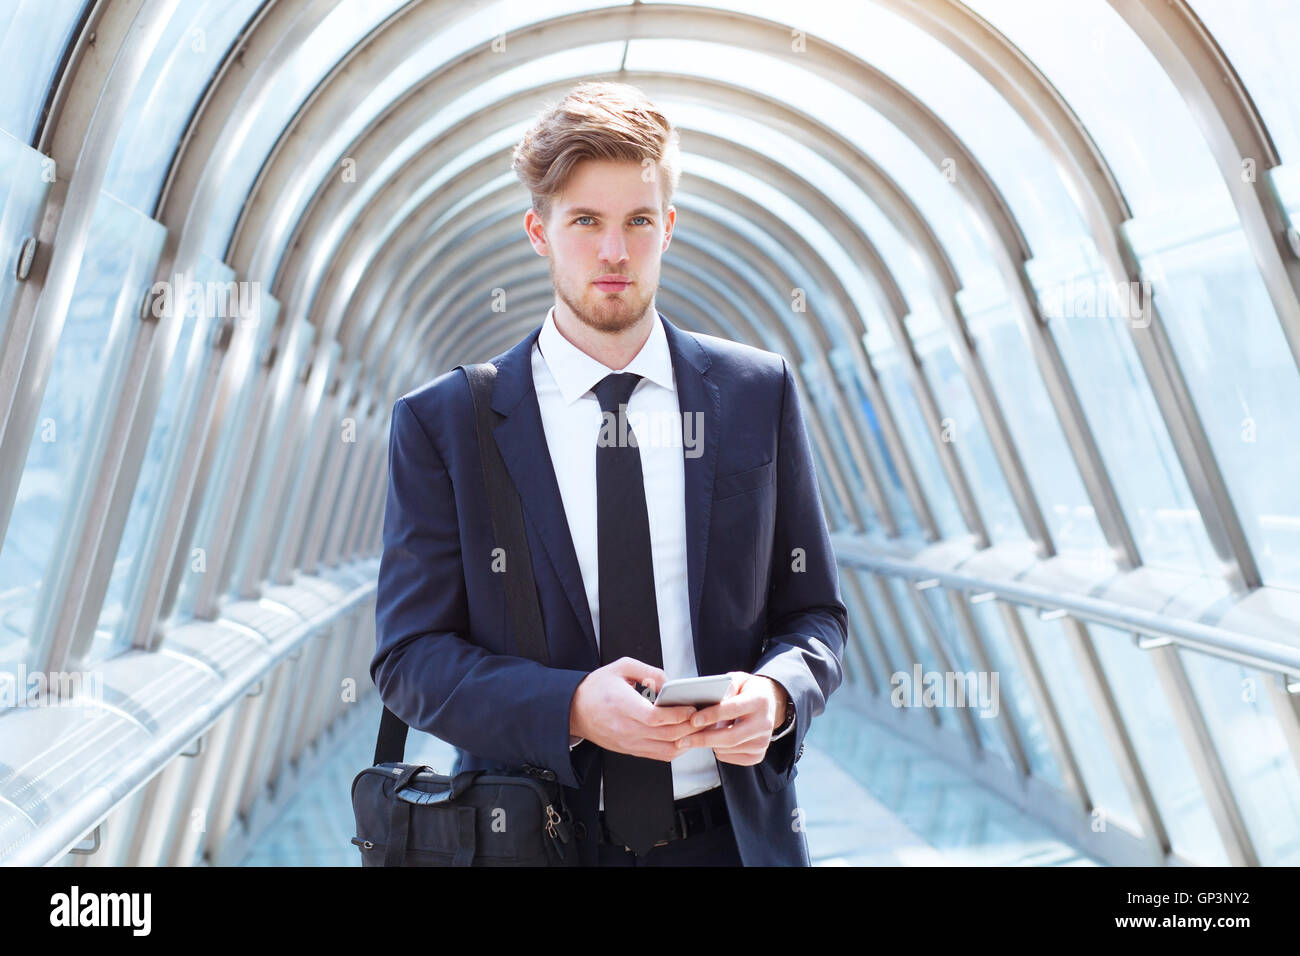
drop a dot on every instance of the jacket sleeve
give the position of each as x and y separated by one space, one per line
807 621
427 669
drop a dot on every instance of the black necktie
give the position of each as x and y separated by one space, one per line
638 790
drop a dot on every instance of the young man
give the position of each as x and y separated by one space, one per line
658 552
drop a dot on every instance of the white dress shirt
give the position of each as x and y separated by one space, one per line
564 376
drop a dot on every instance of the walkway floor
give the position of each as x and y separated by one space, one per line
871 799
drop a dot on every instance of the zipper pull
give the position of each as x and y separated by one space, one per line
556 827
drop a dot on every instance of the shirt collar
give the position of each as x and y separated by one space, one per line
576 372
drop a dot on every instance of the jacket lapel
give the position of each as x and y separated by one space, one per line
695 393
522 441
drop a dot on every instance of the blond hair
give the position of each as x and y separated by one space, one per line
596 120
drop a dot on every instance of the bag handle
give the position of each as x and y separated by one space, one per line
508 533
399 823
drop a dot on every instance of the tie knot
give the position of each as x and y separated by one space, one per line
615 389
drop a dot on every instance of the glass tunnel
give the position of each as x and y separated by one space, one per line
1033 266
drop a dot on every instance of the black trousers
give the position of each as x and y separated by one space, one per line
716 847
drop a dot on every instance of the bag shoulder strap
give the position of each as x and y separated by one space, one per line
508 533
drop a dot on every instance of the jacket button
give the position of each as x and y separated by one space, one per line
799 754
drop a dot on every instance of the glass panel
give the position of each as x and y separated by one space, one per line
192 46
866 129
874 441
22 197
1017 697
232 445
1262 771
1060 669
218 295
973 109
1259 38
1242 375
473 30
1150 141
1160 748
895 382
116 272
816 385
1096 344
24 194
281 431
1188 239
911 688
899 660
1031 417
964 429
337 33
980 695
33 36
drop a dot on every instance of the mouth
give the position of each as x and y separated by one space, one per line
611 285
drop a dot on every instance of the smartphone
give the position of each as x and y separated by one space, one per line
694 691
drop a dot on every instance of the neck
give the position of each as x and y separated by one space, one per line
612 349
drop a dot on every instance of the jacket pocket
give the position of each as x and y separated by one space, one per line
739 482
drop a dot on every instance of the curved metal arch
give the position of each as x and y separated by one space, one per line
211 141
90 103
1010 460
264 227
464 173
1234 131
416 266
422 166
1101 201
625 23
528 38
1003 225
854 242
783 51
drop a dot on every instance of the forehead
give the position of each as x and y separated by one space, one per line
610 187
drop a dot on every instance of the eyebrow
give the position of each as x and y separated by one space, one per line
639 211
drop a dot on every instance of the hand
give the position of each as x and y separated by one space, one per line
743 722
607 710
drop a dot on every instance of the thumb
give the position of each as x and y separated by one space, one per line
632 669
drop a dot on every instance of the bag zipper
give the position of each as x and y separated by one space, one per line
558 828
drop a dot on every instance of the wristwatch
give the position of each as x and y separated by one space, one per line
787 725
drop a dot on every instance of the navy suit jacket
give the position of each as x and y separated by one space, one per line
764 588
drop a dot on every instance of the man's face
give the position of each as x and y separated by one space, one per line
606 223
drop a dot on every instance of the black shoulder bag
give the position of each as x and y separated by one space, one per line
410 815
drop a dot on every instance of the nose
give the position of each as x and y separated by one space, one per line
613 249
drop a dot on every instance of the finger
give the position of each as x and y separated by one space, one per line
658 749
678 714
738 757
728 737
731 708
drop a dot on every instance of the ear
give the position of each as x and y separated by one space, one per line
535 229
